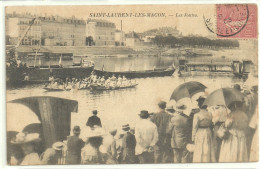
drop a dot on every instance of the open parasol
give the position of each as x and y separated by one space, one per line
224 96
187 89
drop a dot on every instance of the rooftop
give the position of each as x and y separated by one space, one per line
101 23
46 18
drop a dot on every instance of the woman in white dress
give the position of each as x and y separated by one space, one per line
202 135
27 142
254 155
234 147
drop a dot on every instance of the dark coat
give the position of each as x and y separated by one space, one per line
161 120
180 130
74 144
94 120
128 148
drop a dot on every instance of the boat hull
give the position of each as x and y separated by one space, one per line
101 88
138 74
54 90
43 74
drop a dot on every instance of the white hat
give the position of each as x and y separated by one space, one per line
22 138
58 145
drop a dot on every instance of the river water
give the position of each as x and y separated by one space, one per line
115 107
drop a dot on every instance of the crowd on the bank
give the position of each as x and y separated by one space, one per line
175 134
93 79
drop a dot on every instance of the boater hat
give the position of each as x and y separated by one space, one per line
144 114
126 127
58 145
22 138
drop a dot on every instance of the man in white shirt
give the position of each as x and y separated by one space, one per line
146 137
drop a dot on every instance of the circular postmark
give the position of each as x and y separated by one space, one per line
229 19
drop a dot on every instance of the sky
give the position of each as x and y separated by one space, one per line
186 25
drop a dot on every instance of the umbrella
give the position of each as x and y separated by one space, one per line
187 89
224 96
33 128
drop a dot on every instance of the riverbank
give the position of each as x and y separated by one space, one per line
78 50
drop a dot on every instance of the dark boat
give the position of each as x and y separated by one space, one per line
54 90
98 87
43 74
139 74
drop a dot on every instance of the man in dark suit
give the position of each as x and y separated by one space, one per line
162 150
128 146
74 144
180 130
94 120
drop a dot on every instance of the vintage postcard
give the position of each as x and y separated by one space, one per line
131 84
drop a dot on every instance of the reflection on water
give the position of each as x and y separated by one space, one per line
124 63
113 63
118 106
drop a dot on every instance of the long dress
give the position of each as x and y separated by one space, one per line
254 154
234 148
202 137
31 159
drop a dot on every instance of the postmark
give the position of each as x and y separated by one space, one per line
233 20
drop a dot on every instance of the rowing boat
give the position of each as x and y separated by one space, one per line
138 74
98 87
55 89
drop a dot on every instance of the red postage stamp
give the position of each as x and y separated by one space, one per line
236 21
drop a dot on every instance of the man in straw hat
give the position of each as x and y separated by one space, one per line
74 145
178 128
94 120
52 155
146 137
162 150
128 146
27 142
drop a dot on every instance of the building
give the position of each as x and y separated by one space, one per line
102 32
63 31
120 39
45 30
132 39
17 25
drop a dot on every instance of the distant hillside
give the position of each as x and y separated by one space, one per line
164 31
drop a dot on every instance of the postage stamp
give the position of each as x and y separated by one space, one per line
234 21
